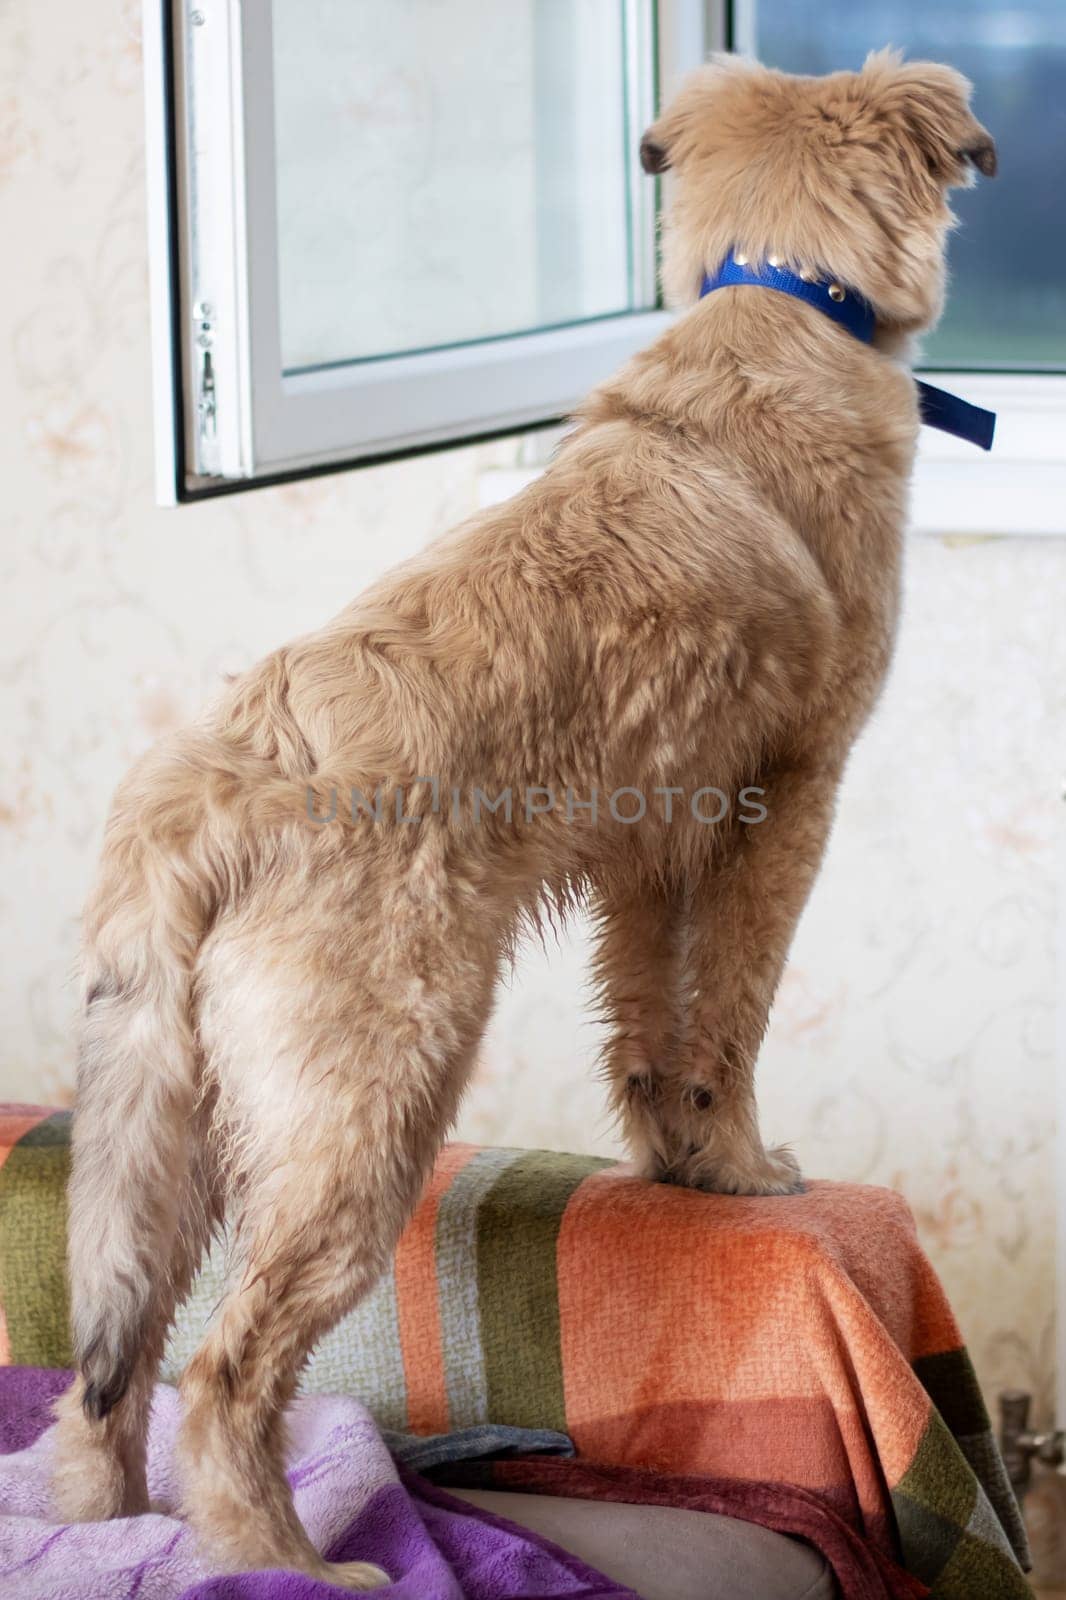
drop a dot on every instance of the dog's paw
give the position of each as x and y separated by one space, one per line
772 1172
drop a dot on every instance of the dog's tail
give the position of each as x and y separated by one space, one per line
188 825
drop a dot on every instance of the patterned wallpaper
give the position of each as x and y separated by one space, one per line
913 1039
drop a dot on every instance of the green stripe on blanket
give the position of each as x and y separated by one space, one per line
33 1245
518 1226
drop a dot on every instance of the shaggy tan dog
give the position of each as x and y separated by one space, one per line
282 1010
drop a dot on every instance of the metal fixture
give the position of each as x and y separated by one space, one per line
1020 1445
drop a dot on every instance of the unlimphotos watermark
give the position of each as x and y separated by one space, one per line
626 805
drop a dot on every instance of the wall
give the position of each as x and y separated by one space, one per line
912 1043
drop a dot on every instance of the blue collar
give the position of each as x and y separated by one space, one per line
848 308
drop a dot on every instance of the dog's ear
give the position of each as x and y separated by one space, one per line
654 157
673 129
932 104
658 146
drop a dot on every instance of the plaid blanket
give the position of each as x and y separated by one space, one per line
802 1341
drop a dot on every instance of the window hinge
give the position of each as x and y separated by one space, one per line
205 399
206 412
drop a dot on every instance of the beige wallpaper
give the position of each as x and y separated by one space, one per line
913 1040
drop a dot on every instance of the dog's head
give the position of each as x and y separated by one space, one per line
844 176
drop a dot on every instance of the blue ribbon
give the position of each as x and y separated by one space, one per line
852 311
951 414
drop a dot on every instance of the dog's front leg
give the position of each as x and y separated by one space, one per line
638 969
744 914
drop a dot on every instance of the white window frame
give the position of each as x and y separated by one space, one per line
215 291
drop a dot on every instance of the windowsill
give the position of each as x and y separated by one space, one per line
1019 488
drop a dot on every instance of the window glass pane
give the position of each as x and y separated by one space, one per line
1007 301
448 170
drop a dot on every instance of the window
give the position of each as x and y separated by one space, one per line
387 227
486 186
378 229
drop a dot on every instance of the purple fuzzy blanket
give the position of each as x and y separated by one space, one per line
353 1503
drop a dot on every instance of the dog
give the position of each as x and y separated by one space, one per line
284 995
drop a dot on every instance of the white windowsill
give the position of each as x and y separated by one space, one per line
1019 487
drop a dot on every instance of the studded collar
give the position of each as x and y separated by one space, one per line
850 310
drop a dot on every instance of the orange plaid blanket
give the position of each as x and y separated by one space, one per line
803 1341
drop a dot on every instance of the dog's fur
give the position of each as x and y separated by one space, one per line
702 589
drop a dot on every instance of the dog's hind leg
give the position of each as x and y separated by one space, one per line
339 1076
318 1227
